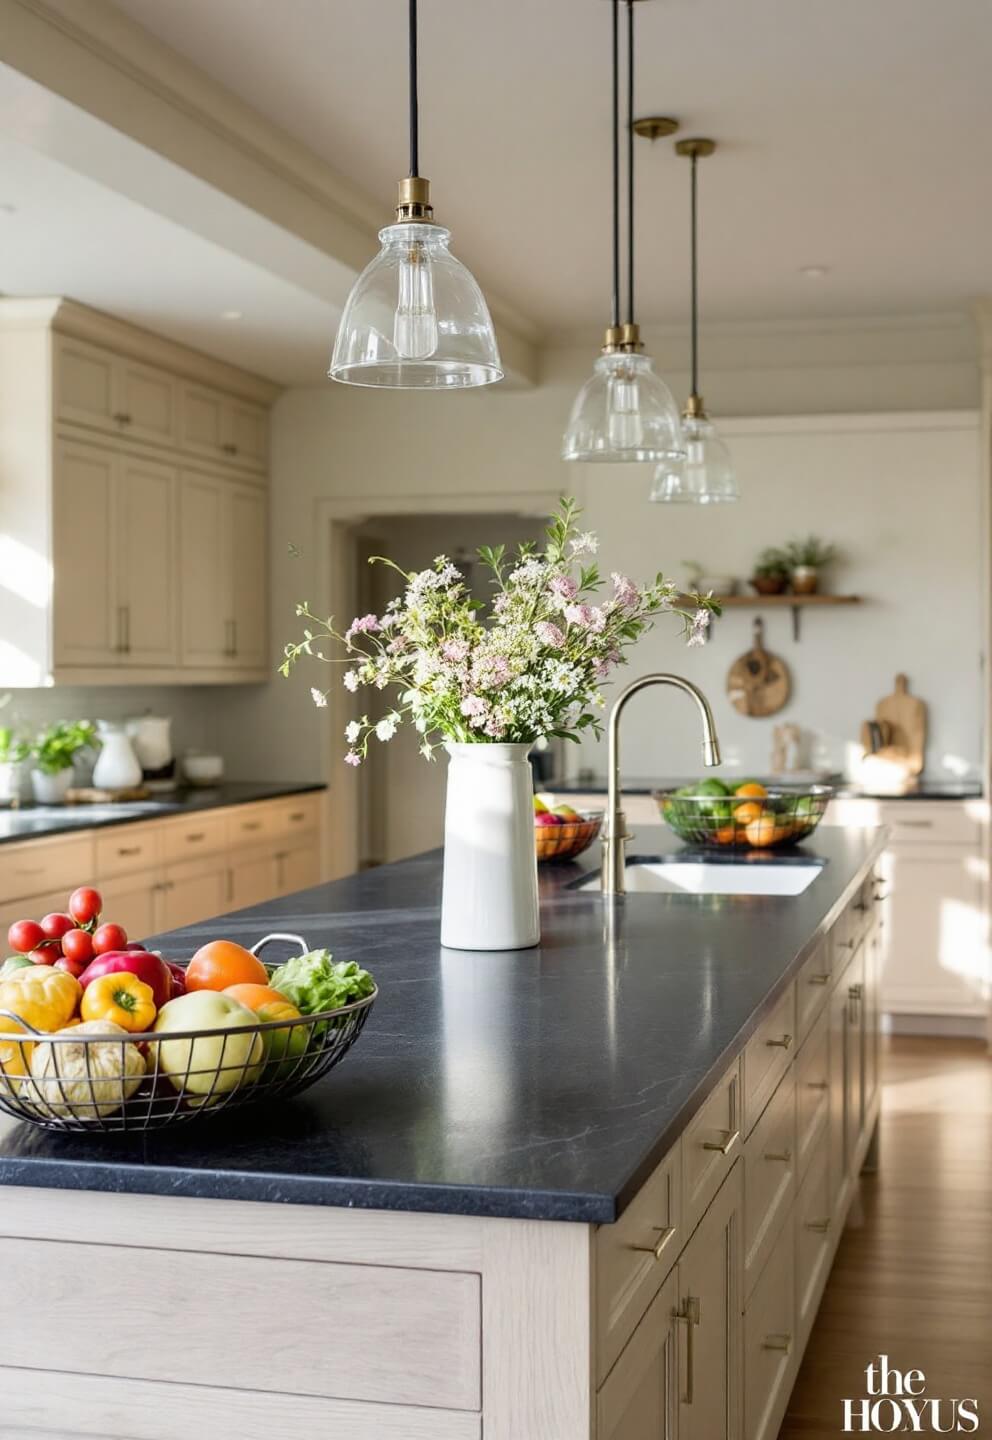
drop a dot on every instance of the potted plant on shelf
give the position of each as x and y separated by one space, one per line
486 687
771 572
806 559
54 753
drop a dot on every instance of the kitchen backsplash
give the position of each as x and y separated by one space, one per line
194 711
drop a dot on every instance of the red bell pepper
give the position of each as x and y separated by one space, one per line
148 967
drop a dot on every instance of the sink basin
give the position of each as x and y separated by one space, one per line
702 877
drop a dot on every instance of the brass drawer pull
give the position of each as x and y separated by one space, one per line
817 1084
252 825
820 1226
823 979
881 895
665 1235
194 837
861 907
777 1342
689 1316
847 944
783 1043
123 850
784 1155
724 1146
297 815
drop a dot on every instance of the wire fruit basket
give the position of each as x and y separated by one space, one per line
150 1080
780 817
565 841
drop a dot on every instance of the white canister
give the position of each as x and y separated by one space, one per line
117 766
490 860
151 739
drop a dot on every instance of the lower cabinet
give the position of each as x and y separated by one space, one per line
640 1399
770 1341
709 1321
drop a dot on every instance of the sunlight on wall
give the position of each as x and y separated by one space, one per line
25 573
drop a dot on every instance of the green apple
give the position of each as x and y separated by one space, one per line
566 813
539 806
213 1064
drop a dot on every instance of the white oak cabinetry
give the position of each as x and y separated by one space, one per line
933 956
158 875
684 1320
135 484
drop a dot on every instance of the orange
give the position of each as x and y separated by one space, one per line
725 835
221 963
751 790
747 812
762 832
255 996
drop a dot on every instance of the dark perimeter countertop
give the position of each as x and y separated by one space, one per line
640 785
31 822
542 1083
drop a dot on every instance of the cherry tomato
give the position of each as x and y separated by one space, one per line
48 956
56 925
25 935
74 968
85 905
78 945
109 937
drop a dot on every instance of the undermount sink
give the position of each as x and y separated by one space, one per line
702 877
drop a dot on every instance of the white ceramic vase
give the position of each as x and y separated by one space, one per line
490 861
117 766
49 789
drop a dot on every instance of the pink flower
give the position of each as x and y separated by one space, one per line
473 706
625 592
563 589
549 634
362 625
455 650
597 620
353 758
578 615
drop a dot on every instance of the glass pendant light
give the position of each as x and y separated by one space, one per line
415 318
624 411
704 473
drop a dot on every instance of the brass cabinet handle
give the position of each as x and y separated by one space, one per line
781 1044
123 850
121 646
784 1155
229 449
297 815
234 637
724 1146
861 907
777 1342
230 646
854 993
820 1226
122 417
823 979
194 837
689 1316
916 824
847 944
817 1084
252 825
666 1232
881 894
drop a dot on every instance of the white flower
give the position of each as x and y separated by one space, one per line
586 544
352 732
319 698
351 681
386 729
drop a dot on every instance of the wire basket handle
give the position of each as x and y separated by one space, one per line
280 935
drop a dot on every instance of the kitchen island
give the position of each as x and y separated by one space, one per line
588 1190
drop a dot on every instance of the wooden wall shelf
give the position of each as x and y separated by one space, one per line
795 603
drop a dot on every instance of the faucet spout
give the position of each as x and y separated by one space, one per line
616 836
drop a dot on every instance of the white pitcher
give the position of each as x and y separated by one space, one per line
117 766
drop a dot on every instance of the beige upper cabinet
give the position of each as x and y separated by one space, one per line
159 574
220 428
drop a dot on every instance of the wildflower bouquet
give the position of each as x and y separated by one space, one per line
532 667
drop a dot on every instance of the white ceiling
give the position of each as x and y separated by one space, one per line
853 135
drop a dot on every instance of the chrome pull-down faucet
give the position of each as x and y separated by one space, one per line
616 837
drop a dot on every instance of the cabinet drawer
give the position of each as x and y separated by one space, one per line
299 816
812 1071
921 823
634 1256
45 865
767 1057
710 1145
813 987
250 824
814 1240
420 1330
197 835
125 848
769 1178
770 1348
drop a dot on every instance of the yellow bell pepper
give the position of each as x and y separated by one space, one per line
15 1056
122 999
41 996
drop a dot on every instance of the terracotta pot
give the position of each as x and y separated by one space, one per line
768 584
805 579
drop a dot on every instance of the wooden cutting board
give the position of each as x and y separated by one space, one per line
903 718
758 684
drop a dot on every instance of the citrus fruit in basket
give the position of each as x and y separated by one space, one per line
747 812
750 789
762 832
222 963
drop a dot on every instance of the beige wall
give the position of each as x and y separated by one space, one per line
902 503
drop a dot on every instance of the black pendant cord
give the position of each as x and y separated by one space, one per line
694 280
630 162
615 304
414 97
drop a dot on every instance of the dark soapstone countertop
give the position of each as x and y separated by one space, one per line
542 1083
642 785
31 822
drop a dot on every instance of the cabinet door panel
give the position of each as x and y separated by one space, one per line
202 422
249 608
814 1240
204 548
839 1160
854 1100
299 868
934 959
254 878
192 892
86 626
148 400
709 1330
638 1400
85 384
770 1342
812 1091
130 901
147 563
248 434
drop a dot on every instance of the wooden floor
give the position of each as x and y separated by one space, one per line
913 1273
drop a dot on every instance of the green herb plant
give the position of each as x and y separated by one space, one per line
56 748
